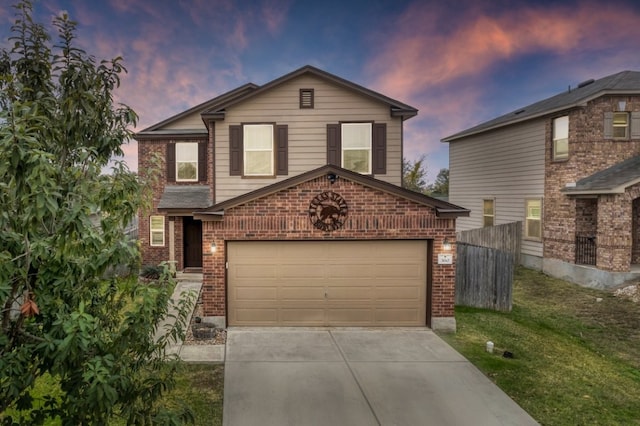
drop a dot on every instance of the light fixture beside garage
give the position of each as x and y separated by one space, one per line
213 248
446 245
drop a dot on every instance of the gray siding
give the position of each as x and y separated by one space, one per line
307 130
506 165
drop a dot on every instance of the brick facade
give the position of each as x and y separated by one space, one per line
372 215
151 160
566 216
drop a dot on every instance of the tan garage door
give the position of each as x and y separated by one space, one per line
319 283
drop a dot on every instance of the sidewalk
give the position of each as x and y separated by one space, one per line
198 354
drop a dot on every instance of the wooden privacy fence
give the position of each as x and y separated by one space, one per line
506 237
484 277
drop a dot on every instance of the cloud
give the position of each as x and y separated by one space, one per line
443 63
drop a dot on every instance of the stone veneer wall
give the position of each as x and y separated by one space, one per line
635 256
372 214
589 152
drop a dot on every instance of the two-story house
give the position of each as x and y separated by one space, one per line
568 168
288 197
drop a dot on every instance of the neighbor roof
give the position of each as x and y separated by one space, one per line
190 197
625 82
443 208
613 180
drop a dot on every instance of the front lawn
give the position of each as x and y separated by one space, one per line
576 351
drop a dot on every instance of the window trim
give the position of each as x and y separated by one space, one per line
369 171
244 151
178 162
626 126
493 212
153 230
526 219
555 140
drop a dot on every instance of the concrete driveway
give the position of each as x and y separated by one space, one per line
356 377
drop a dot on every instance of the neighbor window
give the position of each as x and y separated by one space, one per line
186 162
156 230
561 138
356 147
488 214
258 150
621 125
533 220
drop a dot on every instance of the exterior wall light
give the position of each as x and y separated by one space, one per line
332 177
213 248
446 244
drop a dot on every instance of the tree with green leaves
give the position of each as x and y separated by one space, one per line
414 175
92 339
440 186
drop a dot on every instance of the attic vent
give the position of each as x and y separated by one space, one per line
585 83
306 98
520 111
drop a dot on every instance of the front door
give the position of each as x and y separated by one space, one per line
192 243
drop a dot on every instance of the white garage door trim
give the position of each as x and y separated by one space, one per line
327 283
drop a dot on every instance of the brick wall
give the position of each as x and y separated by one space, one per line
372 214
589 152
635 257
147 151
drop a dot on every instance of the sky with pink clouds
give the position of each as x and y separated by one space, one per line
459 62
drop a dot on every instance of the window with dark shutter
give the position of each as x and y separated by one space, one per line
306 98
379 148
333 144
282 152
171 162
235 150
202 162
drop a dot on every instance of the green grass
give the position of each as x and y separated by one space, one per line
576 360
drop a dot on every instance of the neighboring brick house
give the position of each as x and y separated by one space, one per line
287 197
568 167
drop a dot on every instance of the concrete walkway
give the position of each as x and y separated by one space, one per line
204 354
356 377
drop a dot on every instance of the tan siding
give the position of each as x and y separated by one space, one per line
506 165
193 121
307 130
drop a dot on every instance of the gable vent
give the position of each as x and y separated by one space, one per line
306 98
585 83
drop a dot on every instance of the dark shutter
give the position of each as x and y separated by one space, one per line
202 161
235 150
333 144
608 125
635 125
379 153
171 162
282 153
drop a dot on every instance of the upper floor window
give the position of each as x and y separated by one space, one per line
620 125
561 138
356 147
187 162
488 215
533 219
156 231
258 150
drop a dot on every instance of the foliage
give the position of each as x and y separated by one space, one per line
576 351
414 175
441 185
95 338
151 271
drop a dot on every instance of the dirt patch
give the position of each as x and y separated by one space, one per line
631 292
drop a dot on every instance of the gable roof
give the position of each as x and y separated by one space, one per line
155 129
397 108
613 180
625 82
443 209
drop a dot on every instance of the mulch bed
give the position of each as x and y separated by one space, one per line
205 334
